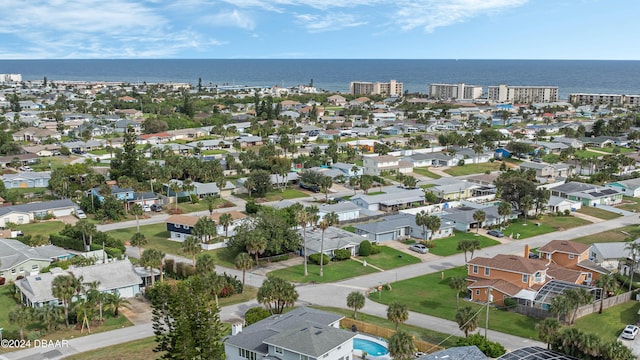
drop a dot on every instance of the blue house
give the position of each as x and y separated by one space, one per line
123 194
501 153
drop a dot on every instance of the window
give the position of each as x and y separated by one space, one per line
478 292
487 271
525 278
13 271
475 269
35 267
278 350
571 256
304 357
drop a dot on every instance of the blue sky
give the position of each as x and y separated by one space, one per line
318 29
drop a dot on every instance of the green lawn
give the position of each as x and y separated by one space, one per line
630 204
99 152
42 228
390 258
276 195
551 158
423 334
431 295
136 349
610 323
599 213
249 293
427 186
372 193
611 150
425 172
447 246
547 225
469 169
214 152
7 303
620 234
586 154
55 162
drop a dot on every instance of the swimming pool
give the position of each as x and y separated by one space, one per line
372 348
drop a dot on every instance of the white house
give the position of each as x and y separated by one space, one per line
345 211
26 213
302 333
374 165
629 187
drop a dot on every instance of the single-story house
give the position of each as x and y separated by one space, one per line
334 239
344 210
399 226
18 259
609 254
35 135
26 213
302 333
393 200
22 159
29 179
463 219
558 204
43 150
588 194
112 277
629 187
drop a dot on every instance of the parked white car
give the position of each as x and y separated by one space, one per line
146 208
80 214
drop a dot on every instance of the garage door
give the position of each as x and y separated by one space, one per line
63 212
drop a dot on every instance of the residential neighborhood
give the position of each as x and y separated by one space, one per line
286 213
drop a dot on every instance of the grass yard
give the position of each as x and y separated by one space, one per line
547 225
390 258
620 234
586 154
372 193
7 303
630 204
610 323
447 246
599 213
136 349
425 172
42 228
214 152
99 152
427 186
55 162
334 271
276 195
431 295
427 335
249 293
611 150
469 169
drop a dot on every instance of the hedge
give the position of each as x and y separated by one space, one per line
341 254
315 258
365 248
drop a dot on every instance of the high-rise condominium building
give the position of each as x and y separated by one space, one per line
523 94
392 88
454 91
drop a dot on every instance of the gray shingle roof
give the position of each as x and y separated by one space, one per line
311 339
38 206
461 352
13 253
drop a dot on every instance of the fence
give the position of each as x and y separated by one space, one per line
386 333
582 311
367 218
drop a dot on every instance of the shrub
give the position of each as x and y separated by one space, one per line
510 303
280 258
170 266
567 212
375 249
251 207
188 270
234 283
341 254
489 348
2 281
255 314
179 269
315 258
365 248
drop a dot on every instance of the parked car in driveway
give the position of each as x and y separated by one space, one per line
419 248
496 233
156 207
80 214
630 332
146 208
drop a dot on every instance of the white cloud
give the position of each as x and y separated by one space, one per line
233 18
328 22
438 13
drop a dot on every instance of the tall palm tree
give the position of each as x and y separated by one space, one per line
63 289
459 284
225 221
136 210
153 258
355 300
397 313
607 283
256 244
328 220
559 306
401 346
504 210
325 184
138 240
211 202
243 262
475 245
479 217
302 218
525 205
634 247
87 229
577 297
175 188
191 246
421 220
465 246
467 319
433 224
21 315
548 330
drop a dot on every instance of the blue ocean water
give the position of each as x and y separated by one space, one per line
571 76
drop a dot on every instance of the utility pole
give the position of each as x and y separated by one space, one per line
486 320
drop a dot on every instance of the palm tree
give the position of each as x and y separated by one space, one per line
175 187
366 181
302 218
243 262
475 245
504 210
21 316
210 201
50 315
548 330
205 264
256 244
479 217
559 306
355 300
87 229
116 302
327 221
401 346
464 245
215 283
191 246
607 283
459 284
138 240
397 313
325 184
433 224
94 295
634 246
62 288
153 258
136 210
467 319
421 220
225 221
525 205
577 297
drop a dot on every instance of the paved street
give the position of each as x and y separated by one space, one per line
335 294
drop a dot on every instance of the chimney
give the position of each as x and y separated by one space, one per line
236 328
527 250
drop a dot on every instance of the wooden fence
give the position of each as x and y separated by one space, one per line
582 311
386 333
